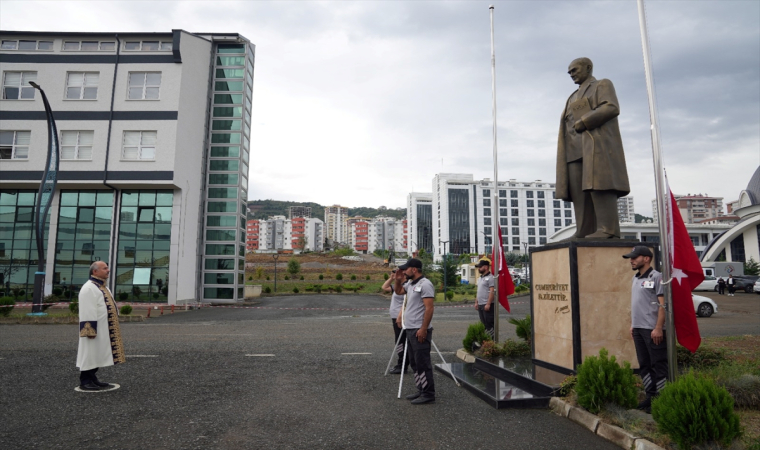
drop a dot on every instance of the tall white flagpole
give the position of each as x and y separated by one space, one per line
661 196
495 206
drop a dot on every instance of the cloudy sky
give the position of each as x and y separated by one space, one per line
360 103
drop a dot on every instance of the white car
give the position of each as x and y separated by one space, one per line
756 288
703 306
709 284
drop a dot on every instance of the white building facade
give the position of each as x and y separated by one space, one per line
626 213
154 133
419 216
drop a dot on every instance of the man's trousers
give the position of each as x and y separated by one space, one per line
487 318
653 360
397 331
419 355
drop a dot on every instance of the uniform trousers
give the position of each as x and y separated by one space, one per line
653 360
487 318
419 356
397 331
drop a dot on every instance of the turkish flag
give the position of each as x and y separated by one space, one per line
506 285
686 273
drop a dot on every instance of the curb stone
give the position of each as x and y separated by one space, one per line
464 356
612 433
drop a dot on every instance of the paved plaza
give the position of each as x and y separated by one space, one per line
200 379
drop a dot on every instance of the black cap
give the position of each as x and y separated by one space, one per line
483 262
639 250
414 262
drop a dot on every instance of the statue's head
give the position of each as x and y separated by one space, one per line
580 69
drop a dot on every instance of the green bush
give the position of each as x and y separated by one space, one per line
385 276
267 290
155 296
267 277
513 348
123 296
523 328
6 305
287 277
318 288
295 290
301 277
74 307
475 333
353 277
250 277
449 295
745 390
368 277
339 276
522 288
694 410
57 292
339 289
704 357
601 380
126 310
567 385
321 277
46 302
489 349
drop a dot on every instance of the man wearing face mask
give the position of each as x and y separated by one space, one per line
416 318
484 303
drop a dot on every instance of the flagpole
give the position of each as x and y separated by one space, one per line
661 195
495 208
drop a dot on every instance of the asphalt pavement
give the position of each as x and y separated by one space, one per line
295 372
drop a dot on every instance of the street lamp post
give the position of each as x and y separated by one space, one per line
527 269
275 256
445 268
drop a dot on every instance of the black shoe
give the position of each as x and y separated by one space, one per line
422 400
89 387
645 404
99 383
396 370
413 396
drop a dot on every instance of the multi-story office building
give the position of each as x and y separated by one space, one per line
695 208
154 133
419 214
299 211
626 213
464 214
336 228
278 233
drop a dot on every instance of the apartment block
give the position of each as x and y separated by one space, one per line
626 213
299 211
154 133
278 233
419 214
695 208
336 228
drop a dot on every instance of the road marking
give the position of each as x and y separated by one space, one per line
356 353
261 354
142 356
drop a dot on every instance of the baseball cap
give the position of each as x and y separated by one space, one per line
483 262
414 262
639 250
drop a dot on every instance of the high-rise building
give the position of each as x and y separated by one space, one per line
695 208
626 213
299 211
335 223
419 214
278 233
464 214
154 133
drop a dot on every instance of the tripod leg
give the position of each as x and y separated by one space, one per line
444 361
400 336
401 378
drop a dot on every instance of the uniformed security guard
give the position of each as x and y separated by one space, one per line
416 319
648 323
484 303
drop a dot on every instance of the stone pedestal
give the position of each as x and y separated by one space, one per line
581 302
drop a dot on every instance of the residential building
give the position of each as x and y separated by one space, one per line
154 132
626 213
464 214
379 233
359 236
695 208
299 211
252 235
278 233
335 223
419 214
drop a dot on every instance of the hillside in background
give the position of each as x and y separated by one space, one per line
262 209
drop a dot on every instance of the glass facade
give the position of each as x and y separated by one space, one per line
425 227
18 244
459 221
83 236
142 259
227 174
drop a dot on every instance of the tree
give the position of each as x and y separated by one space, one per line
449 269
293 266
751 267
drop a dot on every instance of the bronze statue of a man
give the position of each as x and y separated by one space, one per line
591 170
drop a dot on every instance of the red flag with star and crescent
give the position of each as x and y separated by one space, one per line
686 273
506 285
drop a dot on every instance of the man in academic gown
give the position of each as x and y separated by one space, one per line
100 342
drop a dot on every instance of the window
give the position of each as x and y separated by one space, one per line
515 221
515 203
568 222
82 85
556 204
14 144
502 203
486 202
531 231
528 194
516 241
568 213
541 222
76 144
144 85
557 222
487 221
541 213
16 85
147 46
504 221
530 204
486 192
540 194
531 241
542 231
542 241
515 231
503 211
486 211
531 222
557 213
503 193
89 46
515 212
541 204
530 213
567 204
27 45
513 194
139 145
487 230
